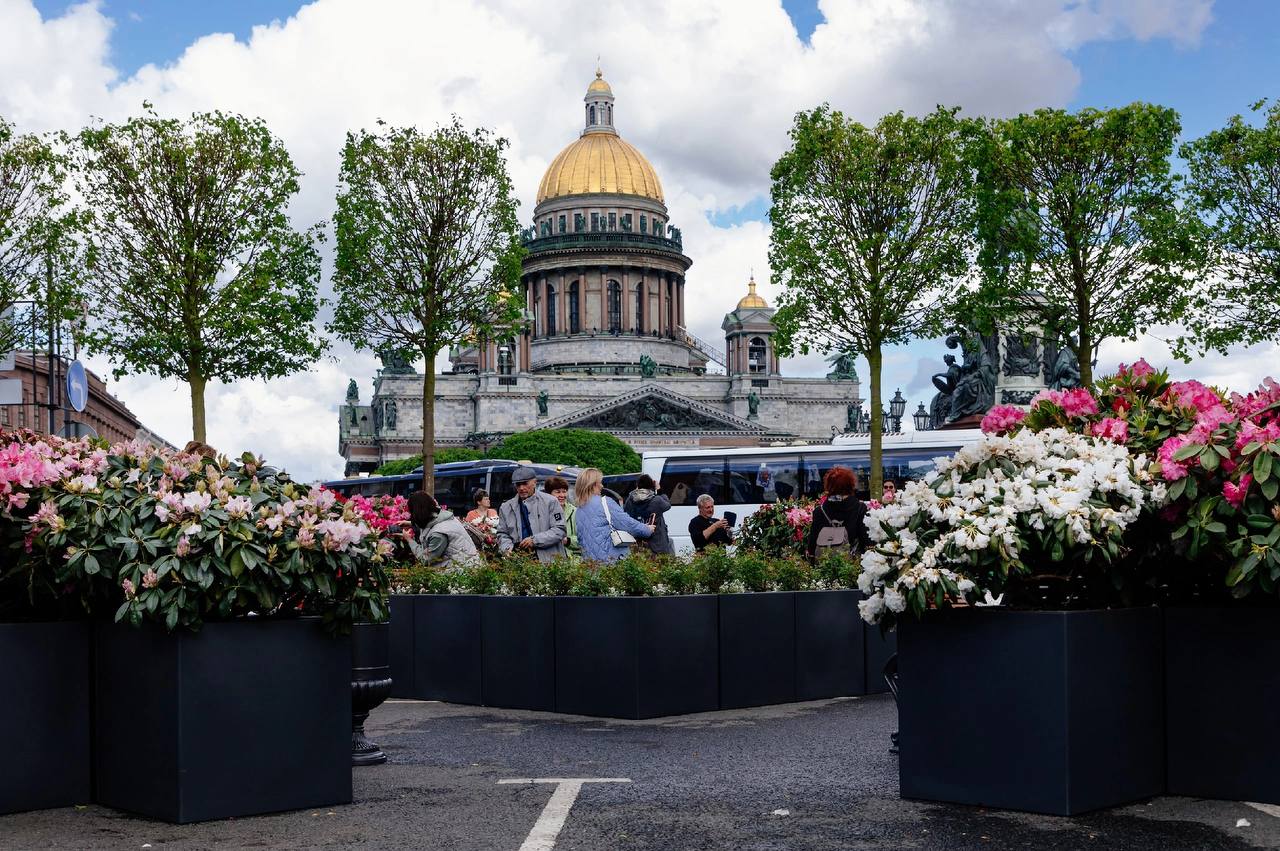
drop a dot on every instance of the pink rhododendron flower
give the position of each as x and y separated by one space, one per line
1002 418
1207 421
1074 403
1172 470
183 547
1251 433
130 591
1111 428
1234 493
150 579
1140 369
1193 394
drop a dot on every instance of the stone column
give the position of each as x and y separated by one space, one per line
562 309
604 298
627 300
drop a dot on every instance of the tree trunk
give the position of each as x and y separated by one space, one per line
429 425
1084 354
874 363
197 383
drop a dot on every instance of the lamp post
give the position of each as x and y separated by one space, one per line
924 422
897 407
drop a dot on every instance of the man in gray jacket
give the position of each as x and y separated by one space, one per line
531 521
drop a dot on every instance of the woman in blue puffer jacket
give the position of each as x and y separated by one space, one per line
595 526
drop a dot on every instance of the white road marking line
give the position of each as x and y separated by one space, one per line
547 828
1269 809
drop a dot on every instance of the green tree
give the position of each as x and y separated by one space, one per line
195 271
871 231
572 447
1234 183
37 231
428 248
1080 225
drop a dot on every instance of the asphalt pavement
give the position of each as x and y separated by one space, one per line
801 776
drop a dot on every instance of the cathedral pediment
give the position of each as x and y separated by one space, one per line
654 408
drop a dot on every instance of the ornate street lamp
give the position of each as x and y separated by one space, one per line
897 407
923 421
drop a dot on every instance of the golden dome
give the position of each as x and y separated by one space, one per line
599 85
751 299
600 162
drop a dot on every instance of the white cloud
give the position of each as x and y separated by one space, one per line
706 89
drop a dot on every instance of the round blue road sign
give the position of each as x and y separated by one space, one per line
77 386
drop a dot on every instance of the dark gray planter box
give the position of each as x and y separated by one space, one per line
44 668
1222 696
636 657
1048 712
829 645
879 647
518 652
757 649
400 644
243 717
446 654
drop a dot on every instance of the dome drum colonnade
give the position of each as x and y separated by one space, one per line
603 258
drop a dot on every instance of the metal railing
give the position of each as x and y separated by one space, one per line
597 239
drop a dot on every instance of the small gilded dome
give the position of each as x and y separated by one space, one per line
600 162
751 299
599 86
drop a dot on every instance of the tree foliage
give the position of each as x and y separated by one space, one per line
194 268
1080 226
1234 183
37 229
572 447
871 235
401 466
428 251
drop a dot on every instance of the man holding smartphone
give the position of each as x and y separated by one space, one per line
705 530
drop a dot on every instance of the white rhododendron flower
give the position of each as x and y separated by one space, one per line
977 512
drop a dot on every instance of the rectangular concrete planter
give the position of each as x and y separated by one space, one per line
401 645
446 654
757 649
1222 695
518 652
878 648
830 645
636 657
44 670
241 718
1047 712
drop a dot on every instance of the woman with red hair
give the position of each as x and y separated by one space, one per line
840 514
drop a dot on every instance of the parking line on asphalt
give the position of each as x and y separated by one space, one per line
551 820
1270 809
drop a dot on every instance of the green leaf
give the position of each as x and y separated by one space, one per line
1262 467
91 564
237 561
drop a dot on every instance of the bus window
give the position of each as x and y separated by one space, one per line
451 491
377 488
816 468
757 479
685 479
500 487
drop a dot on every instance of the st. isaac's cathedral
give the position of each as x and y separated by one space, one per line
605 345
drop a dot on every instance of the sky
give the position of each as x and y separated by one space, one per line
706 89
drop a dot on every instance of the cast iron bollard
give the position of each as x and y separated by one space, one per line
891 677
370 685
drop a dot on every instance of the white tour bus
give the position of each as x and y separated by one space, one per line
740 480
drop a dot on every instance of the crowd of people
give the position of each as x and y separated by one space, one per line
547 524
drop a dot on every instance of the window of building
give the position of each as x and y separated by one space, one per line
640 307
615 306
575 324
595 221
562 224
579 222
613 221
506 359
551 309
657 227
644 223
757 355
626 223
591 114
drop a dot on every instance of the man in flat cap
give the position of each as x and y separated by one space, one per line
532 521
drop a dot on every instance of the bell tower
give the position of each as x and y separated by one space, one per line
748 337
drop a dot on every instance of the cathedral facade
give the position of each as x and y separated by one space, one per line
605 343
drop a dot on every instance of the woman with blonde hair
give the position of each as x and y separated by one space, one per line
598 521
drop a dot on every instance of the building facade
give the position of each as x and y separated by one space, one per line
109 418
605 344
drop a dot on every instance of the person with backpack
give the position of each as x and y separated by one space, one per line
648 506
839 519
440 538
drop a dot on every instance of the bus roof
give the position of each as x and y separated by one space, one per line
904 440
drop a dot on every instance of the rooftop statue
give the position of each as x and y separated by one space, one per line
394 362
843 367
